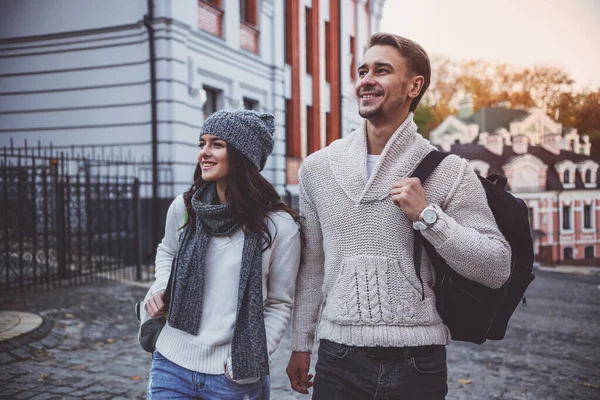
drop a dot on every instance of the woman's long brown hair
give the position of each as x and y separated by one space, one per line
250 196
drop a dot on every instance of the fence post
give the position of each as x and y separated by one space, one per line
135 192
60 221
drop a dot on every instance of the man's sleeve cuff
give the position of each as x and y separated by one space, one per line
303 342
441 231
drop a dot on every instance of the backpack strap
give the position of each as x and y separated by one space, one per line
423 170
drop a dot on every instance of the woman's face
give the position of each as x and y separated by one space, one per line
213 158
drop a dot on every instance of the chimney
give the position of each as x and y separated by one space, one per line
552 143
520 144
586 147
494 143
465 107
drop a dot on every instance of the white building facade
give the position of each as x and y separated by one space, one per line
139 76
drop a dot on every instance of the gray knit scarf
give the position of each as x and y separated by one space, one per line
249 344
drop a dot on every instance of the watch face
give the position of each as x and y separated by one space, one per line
429 216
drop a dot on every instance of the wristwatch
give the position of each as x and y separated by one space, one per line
428 217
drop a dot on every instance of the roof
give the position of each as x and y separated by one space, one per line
491 118
473 151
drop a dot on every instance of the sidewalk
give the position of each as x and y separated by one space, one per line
569 269
86 348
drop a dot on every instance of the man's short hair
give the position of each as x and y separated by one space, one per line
417 60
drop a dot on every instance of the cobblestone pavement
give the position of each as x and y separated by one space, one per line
86 347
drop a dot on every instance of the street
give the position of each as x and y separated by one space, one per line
90 351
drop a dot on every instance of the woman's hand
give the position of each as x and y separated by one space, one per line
155 307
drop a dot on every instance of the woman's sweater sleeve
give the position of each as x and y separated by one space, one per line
283 269
168 247
467 237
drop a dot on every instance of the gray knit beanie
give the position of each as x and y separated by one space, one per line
250 132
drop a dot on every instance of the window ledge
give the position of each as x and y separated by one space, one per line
249 26
249 37
211 5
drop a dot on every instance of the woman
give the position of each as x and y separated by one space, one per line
235 250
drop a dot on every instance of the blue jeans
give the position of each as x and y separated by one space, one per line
170 381
354 373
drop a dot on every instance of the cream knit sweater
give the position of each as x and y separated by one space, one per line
357 266
209 350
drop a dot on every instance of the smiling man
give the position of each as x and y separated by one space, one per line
380 335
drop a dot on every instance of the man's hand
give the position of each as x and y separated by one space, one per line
155 307
408 194
297 372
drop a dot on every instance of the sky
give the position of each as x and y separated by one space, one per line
520 32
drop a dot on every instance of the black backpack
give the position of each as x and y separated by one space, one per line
473 312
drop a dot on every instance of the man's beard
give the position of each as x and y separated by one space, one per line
378 112
371 114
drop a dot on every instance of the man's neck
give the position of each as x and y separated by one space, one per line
379 131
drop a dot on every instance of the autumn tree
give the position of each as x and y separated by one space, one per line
492 85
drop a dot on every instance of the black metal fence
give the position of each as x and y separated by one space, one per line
71 217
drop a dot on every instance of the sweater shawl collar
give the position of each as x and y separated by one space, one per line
402 153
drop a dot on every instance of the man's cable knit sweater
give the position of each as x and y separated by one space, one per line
358 258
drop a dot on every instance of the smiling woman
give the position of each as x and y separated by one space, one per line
214 162
231 250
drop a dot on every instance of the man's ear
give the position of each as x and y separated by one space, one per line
415 87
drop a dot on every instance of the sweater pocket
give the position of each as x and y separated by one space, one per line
373 290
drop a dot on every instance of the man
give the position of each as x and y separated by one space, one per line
380 333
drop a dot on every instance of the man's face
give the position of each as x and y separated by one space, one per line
382 85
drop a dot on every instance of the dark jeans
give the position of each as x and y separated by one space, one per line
355 373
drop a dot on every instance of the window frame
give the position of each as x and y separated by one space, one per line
571 255
587 176
249 12
593 253
215 101
566 218
255 104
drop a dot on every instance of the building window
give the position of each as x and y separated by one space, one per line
566 176
530 216
289 32
309 127
250 104
211 103
589 252
353 59
328 55
328 127
588 176
566 217
568 253
292 140
309 42
249 26
210 17
587 216
248 12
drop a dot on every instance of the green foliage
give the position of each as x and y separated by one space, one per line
424 119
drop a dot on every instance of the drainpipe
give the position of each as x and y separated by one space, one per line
288 194
558 222
148 19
